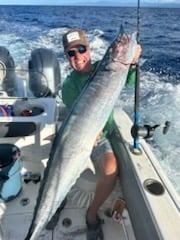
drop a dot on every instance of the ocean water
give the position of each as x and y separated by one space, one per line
24 28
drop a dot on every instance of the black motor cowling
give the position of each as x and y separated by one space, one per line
44 73
7 72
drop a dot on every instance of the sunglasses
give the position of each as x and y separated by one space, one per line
81 50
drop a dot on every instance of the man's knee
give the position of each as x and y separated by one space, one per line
110 164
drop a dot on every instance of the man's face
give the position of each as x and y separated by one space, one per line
79 58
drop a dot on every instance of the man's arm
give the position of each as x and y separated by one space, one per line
69 92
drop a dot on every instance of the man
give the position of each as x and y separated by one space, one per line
77 51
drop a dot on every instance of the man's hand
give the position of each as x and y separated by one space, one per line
98 138
137 54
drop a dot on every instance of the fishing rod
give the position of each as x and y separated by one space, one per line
145 131
137 87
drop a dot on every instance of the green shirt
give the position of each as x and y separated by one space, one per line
75 82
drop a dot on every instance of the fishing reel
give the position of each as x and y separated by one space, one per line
147 131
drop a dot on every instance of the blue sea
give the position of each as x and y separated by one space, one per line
24 28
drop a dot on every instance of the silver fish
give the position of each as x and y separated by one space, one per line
72 146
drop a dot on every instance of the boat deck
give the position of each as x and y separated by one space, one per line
148 210
17 216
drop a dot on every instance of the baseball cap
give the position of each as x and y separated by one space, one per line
74 37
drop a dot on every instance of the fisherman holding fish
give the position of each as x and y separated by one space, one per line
77 51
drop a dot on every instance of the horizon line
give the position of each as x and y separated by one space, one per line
98 5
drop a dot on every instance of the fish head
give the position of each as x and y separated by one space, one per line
124 49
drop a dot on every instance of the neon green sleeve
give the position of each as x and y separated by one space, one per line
131 78
69 92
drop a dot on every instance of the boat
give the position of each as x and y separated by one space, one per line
143 204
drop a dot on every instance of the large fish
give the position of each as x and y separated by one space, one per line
72 146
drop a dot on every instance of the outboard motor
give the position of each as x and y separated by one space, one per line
44 73
7 72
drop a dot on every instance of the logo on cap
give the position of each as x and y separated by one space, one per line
73 36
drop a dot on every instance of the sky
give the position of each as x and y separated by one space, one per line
90 2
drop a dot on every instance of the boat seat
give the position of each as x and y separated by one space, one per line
17 129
